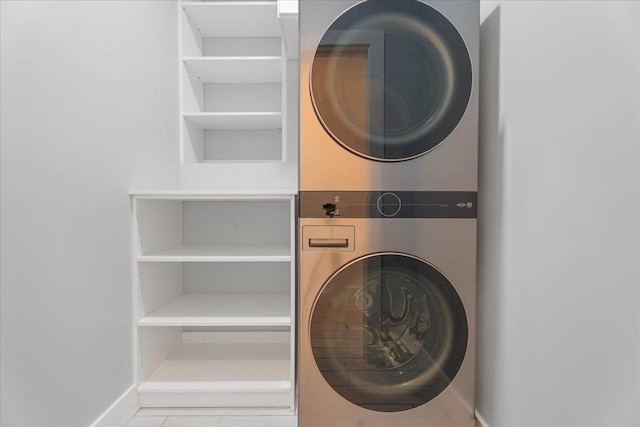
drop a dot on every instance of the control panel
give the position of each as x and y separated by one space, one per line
388 204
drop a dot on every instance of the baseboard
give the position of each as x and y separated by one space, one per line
120 412
481 420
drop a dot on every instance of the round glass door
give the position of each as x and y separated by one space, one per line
388 332
390 79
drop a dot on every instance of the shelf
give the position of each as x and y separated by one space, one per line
258 120
221 375
212 253
243 146
241 69
234 18
214 195
223 309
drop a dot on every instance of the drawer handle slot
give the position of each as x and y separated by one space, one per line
328 243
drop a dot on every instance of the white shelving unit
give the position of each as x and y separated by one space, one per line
215 264
231 78
215 300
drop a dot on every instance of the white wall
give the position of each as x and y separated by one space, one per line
559 232
89 109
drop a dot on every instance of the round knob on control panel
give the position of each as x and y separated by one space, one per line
389 204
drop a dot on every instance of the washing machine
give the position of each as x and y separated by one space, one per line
389 94
386 335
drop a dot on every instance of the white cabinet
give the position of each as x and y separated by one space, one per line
215 272
215 299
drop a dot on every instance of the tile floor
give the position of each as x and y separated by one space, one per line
213 421
216 421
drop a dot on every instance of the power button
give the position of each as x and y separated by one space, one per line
389 204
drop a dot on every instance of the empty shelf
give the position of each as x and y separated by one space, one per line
212 253
223 309
221 375
257 120
243 69
234 18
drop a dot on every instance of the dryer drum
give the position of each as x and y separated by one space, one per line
390 80
388 332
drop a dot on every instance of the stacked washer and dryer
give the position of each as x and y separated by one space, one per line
387 212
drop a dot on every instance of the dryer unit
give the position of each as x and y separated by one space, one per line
388 94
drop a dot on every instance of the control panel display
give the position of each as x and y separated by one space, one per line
388 204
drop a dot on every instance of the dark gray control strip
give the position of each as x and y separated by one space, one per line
388 204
